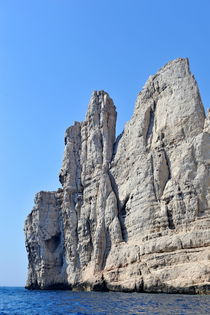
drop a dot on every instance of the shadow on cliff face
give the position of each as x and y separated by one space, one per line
122 211
53 243
115 146
120 207
122 217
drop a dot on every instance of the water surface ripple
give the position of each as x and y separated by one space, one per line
18 301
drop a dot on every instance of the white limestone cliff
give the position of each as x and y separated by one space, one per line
133 213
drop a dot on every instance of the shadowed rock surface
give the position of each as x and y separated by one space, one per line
133 213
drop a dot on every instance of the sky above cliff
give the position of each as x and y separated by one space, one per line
53 55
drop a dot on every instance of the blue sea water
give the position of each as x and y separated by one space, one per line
19 301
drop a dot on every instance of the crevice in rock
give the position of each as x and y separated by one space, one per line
168 163
119 208
102 148
114 187
88 223
151 122
115 145
170 219
122 216
153 178
107 247
53 243
62 177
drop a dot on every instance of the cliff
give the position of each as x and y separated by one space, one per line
133 213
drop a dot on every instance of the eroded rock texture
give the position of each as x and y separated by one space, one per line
133 213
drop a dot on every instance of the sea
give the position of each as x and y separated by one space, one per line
19 301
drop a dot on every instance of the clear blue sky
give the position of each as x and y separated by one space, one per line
53 53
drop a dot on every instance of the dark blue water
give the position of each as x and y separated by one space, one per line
23 302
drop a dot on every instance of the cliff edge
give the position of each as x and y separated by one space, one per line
133 213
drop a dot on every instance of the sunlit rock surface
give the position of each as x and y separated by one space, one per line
133 213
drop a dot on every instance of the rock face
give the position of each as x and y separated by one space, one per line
133 213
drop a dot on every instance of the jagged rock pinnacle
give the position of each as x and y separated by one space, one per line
131 211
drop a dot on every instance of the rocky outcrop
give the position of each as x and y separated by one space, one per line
133 213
